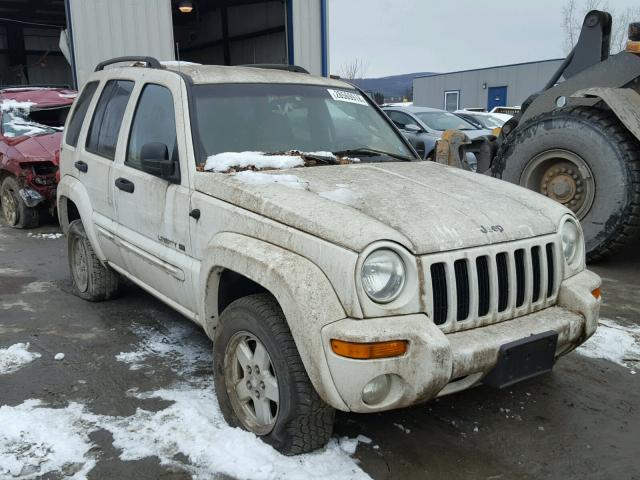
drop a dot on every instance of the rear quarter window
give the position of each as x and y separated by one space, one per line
77 119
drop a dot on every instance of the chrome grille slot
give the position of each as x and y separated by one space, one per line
439 288
484 288
462 289
520 277
490 284
503 281
535 265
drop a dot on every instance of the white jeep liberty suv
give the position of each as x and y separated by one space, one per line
332 268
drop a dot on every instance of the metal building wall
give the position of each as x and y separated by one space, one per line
521 80
104 29
308 44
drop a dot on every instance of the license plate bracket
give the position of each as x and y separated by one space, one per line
523 359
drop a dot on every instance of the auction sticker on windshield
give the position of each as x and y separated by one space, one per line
344 96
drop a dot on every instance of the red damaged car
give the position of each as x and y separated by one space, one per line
31 121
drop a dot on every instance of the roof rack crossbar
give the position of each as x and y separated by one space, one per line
150 61
278 66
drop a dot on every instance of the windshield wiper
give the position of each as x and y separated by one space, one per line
371 152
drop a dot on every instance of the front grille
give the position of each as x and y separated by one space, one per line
491 284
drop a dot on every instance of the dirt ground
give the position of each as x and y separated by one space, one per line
582 421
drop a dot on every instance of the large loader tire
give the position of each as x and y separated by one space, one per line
585 159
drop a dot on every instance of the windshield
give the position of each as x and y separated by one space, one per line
444 121
17 122
487 122
274 118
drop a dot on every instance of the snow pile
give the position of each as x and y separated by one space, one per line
257 178
614 342
194 427
38 440
14 357
341 195
48 236
226 161
35 440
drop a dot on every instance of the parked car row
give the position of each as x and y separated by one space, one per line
423 126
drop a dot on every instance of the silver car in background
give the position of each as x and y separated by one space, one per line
423 126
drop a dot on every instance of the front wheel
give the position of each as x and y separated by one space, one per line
15 212
260 381
585 159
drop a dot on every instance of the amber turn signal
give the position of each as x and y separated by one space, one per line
368 351
596 293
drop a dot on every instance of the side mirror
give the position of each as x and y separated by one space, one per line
154 160
413 128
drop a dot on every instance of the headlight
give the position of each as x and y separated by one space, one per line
383 275
571 243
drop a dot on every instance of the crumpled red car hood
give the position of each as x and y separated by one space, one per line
41 98
39 147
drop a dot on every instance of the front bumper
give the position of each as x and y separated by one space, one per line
437 363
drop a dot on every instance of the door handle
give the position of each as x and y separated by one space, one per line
125 185
81 166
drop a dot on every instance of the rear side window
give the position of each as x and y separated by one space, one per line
75 125
105 125
154 121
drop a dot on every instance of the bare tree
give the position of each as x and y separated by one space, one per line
573 13
355 69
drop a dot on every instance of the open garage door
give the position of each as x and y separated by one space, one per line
228 32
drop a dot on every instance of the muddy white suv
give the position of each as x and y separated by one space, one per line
332 268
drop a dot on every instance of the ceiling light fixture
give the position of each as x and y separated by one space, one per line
185 6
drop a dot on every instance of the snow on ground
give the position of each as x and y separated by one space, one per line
172 344
42 440
223 162
35 440
341 195
47 236
258 178
14 357
614 342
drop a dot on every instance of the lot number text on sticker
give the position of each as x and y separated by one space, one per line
344 96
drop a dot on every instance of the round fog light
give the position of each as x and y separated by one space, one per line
376 390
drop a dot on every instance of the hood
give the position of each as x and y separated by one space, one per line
425 206
39 147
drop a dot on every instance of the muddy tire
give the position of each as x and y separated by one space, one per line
91 279
276 400
13 210
584 158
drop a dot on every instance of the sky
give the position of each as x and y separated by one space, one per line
402 36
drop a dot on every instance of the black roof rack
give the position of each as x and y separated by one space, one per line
278 66
150 61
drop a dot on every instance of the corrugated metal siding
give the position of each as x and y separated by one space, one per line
521 81
104 29
307 35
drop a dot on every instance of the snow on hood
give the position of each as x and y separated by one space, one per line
230 162
223 162
423 205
